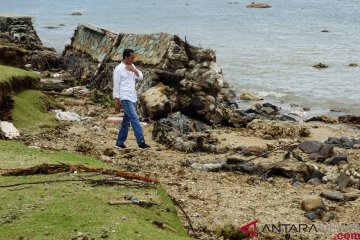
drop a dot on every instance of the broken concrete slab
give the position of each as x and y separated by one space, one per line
8 130
185 77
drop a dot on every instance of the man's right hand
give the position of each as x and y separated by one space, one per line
117 105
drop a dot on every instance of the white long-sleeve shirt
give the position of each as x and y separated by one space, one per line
124 83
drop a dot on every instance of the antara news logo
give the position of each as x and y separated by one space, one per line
344 231
252 228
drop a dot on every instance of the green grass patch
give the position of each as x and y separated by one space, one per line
16 155
67 206
8 73
30 111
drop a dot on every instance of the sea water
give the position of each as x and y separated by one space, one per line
268 51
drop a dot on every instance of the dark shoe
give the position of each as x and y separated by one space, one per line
144 146
120 146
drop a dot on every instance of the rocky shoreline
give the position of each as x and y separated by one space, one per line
223 165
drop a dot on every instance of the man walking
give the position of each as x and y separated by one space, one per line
124 93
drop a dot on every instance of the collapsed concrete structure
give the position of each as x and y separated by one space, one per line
20 44
178 76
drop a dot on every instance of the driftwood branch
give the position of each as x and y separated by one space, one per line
185 214
62 167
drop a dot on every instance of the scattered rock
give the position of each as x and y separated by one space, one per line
326 151
311 203
342 142
316 214
336 159
249 96
320 65
353 65
334 196
342 181
310 146
328 216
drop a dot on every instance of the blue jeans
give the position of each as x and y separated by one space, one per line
130 116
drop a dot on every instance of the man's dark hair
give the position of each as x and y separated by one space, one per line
127 52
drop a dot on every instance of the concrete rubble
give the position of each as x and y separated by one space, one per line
179 76
21 47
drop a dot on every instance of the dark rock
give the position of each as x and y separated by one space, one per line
232 102
320 65
324 31
342 142
310 146
337 159
342 181
333 141
334 196
353 65
235 159
284 117
275 108
326 151
316 174
317 214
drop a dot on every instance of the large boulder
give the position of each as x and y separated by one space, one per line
158 101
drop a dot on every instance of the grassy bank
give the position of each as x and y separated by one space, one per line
13 80
72 206
31 111
9 73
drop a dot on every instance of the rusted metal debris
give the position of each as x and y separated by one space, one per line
62 167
